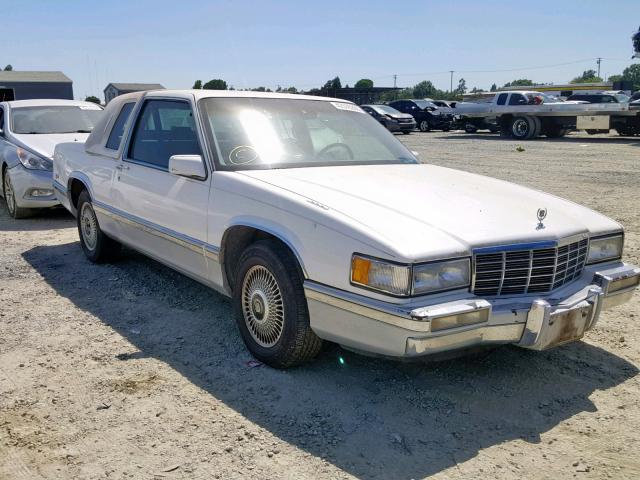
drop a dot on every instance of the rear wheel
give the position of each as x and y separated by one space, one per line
9 194
424 126
97 246
470 128
271 308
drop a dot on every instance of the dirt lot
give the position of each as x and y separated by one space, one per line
131 370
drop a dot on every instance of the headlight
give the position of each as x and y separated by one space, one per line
438 276
33 161
605 248
380 275
405 280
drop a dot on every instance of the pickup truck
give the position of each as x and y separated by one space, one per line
321 225
527 114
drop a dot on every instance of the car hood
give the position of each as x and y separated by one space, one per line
44 144
422 211
401 115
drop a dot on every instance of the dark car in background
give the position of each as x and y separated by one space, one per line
599 97
426 114
392 119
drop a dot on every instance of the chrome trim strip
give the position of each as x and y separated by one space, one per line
367 307
58 186
193 244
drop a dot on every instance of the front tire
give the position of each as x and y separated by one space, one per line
14 210
97 246
271 308
424 126
524 128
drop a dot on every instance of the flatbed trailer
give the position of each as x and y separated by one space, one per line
524 115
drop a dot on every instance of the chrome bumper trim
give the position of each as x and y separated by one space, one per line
534 323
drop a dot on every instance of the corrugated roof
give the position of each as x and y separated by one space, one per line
136 87
33 77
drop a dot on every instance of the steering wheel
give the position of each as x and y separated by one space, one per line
339 145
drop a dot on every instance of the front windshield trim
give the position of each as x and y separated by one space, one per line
213 147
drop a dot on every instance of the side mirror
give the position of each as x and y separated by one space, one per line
190 166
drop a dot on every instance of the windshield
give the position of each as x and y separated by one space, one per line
385 109
54 119
263 133
424 104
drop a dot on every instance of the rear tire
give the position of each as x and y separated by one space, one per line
555 131
8 193
271 308
470 128
97 246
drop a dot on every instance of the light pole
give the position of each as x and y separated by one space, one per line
451 83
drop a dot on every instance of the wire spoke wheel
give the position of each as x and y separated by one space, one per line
262 306
9 196
89 226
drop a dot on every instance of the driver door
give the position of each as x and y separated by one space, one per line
165 214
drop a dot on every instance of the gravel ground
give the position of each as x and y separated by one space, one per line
130 370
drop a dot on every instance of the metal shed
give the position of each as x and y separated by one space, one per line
32 85
113 90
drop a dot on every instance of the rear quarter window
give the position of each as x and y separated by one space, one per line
115 137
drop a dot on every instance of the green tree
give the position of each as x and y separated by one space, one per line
521 82
332 84
8 68
215 84
462 87
494 87
364 83
92 99
632 74
260 89
588 76
197 85
424 89
477 90
614 78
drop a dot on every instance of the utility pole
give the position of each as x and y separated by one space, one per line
395 92
598 62
451 83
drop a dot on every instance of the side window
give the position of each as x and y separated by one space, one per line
517 99
115 137
1 118
502 98
164 128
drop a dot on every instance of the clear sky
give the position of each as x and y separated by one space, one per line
252 43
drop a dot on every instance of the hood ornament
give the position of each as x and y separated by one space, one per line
542 214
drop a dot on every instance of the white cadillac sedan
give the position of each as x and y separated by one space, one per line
322 226
29 131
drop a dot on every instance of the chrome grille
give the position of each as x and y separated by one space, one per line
538 270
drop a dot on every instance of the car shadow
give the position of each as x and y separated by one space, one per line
373 418
46 219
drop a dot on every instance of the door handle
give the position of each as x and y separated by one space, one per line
122 167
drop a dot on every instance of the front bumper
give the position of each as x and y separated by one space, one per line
25 182
410 330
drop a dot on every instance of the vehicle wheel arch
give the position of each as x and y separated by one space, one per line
75 186
235 241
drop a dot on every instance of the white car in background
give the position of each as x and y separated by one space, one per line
323 226
29 132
